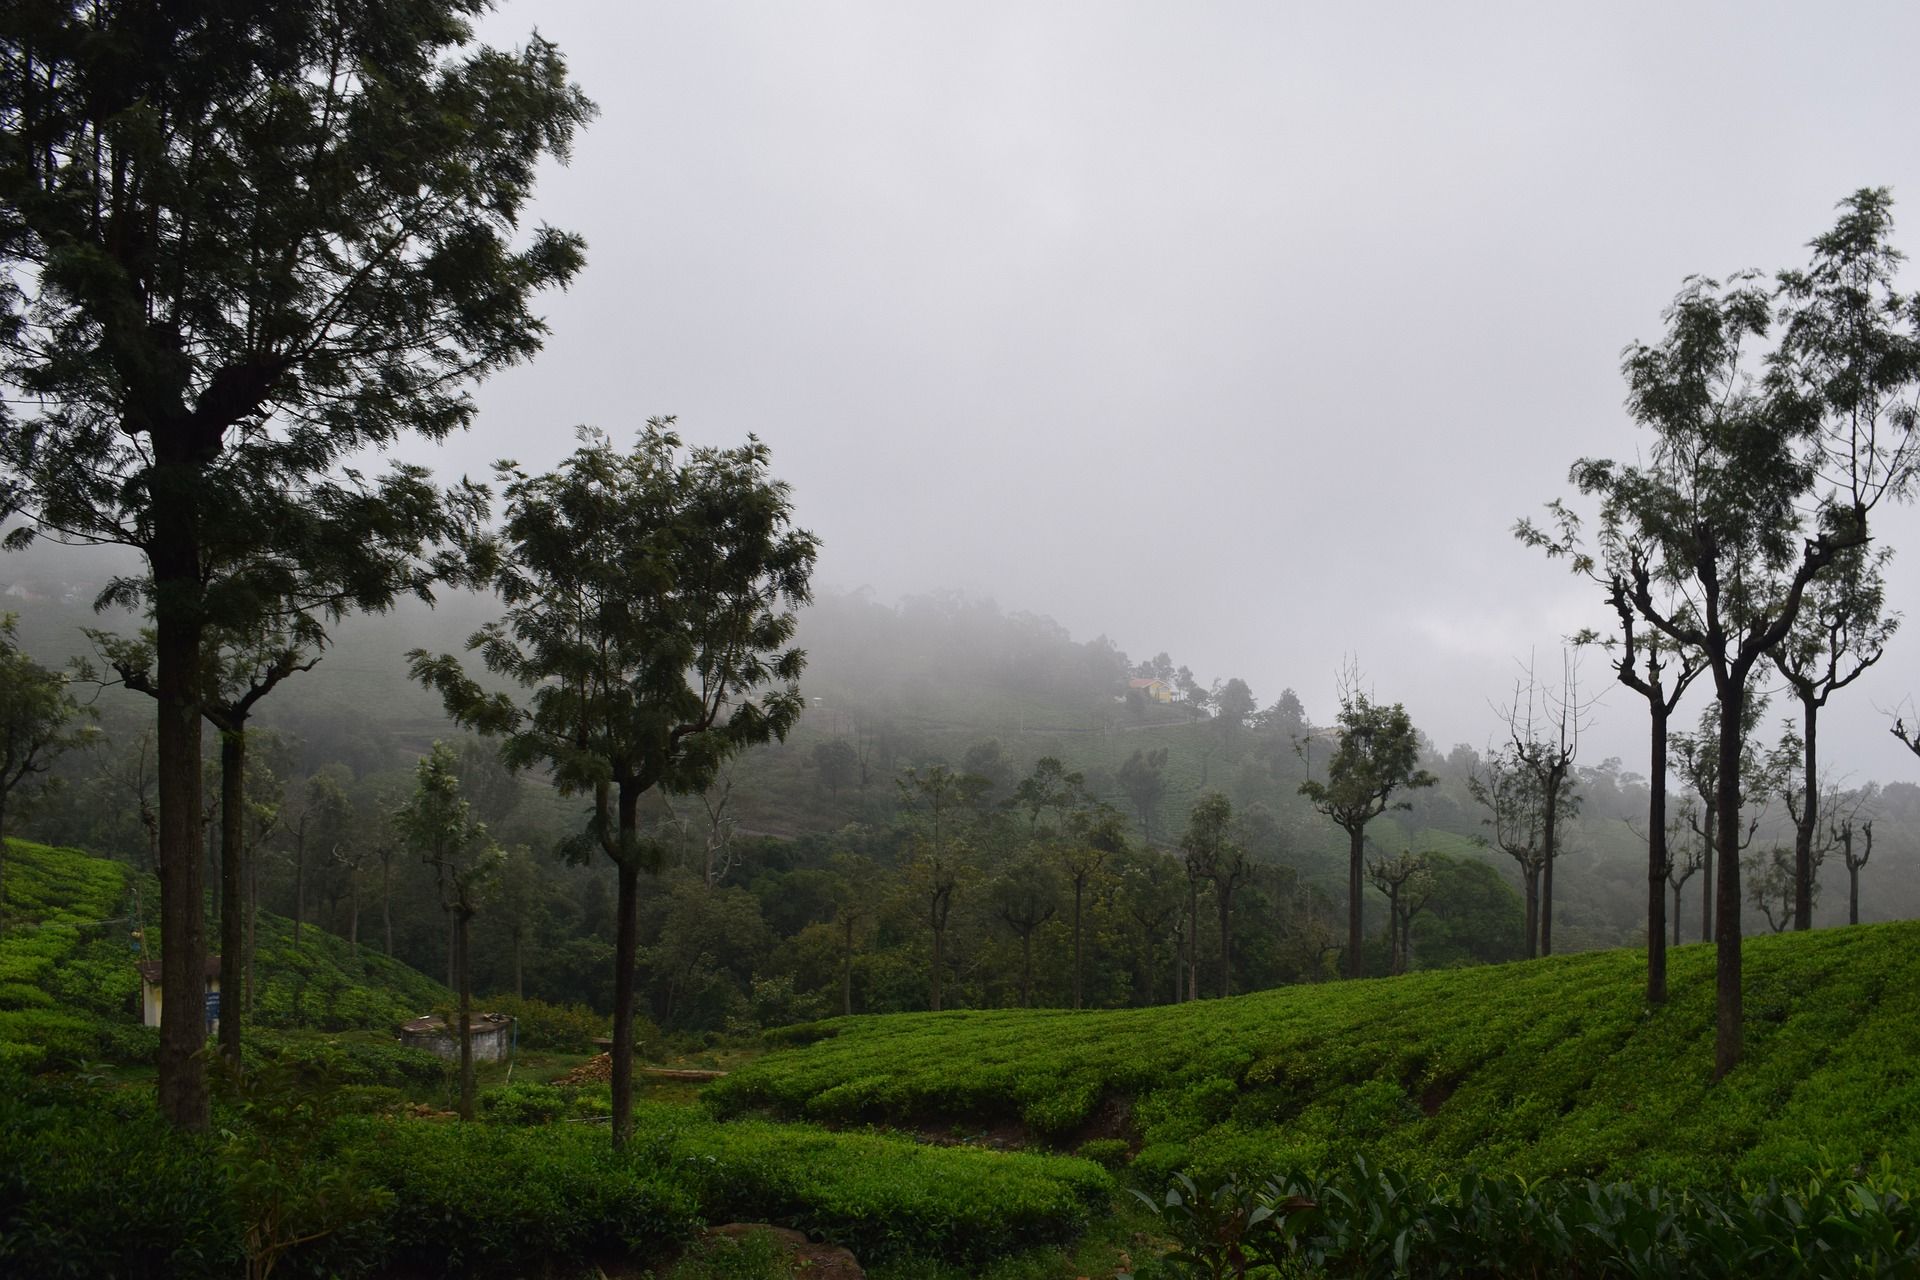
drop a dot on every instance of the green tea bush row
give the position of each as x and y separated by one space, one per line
1366 1222
1548 1068
478 1199
878 1195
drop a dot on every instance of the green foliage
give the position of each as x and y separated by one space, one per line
562 1028
1549 1067
524 1103
1367 1222
98 1185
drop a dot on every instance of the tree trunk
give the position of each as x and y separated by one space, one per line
233 943
3 861
300 898
1356 963
1706 870
1809 823
461 917
1530 876
1676 915
353 917
1657 861
1026 971
1549 822
1079 884
386 900
183 952
846 971
1193 939
519 975
626 948
1729 1014
452 977
1853 894
939 940
252 865
1225 896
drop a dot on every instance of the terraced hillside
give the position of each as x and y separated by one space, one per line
69 990
1540 1068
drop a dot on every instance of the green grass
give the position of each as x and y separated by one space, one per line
1551 1067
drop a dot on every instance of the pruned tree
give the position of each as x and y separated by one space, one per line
37 716
438 825
1769 877
1686 854
1854 855
1646 661
1402 879
1376 756
1516 811
245 244
1543 728
1842 630
649 600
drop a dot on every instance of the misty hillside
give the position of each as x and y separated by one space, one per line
946 678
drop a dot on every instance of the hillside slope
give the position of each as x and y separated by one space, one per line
1544 1067
67 956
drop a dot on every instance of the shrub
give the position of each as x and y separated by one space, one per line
485 1199
561 1028
524 1104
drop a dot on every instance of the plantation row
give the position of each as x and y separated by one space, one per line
1549 1068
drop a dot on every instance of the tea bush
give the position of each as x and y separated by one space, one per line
1552 1067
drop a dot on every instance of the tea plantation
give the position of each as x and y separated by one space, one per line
1525 1120
1547 1068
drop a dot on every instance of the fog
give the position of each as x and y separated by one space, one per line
1243 332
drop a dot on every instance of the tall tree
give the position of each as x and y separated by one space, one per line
37 713
240 667
1645 661
937 800
1143 777
649 599
1212 854
244 244
1763 471
439 826
1842 630
1026 897
1376 755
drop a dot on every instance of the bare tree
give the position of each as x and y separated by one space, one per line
1510 793
1684 858
1843 828
1543 727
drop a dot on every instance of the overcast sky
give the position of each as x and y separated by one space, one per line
1243 332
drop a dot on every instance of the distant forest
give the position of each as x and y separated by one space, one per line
798 884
